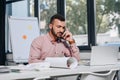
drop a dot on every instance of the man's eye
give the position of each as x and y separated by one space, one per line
64 28
58 26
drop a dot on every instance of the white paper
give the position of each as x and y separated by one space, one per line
62 62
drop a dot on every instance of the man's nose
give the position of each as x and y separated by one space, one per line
62 30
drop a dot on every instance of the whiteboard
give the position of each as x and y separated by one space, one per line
22 33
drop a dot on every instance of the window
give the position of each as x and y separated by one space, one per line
20 9
108 22
76 18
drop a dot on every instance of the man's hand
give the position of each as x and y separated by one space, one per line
67 35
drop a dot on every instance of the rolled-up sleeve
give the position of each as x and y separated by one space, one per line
75 51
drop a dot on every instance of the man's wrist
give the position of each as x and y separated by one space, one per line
72 41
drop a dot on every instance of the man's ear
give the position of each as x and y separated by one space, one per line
50 26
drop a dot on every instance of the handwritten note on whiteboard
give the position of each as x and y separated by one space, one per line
22 33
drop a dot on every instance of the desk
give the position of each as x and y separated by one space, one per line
56 72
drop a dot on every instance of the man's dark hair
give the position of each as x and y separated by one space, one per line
57 16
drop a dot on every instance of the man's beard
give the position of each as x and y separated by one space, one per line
54 34
58 38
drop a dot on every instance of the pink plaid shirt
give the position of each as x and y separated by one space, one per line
44 46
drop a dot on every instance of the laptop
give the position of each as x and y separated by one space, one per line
104 55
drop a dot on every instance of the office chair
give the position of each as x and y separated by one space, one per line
110 75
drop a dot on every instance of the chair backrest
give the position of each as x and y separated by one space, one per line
110 75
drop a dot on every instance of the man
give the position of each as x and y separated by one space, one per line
58 42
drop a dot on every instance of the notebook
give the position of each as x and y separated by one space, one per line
104 55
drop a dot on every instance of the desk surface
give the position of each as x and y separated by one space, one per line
45 73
